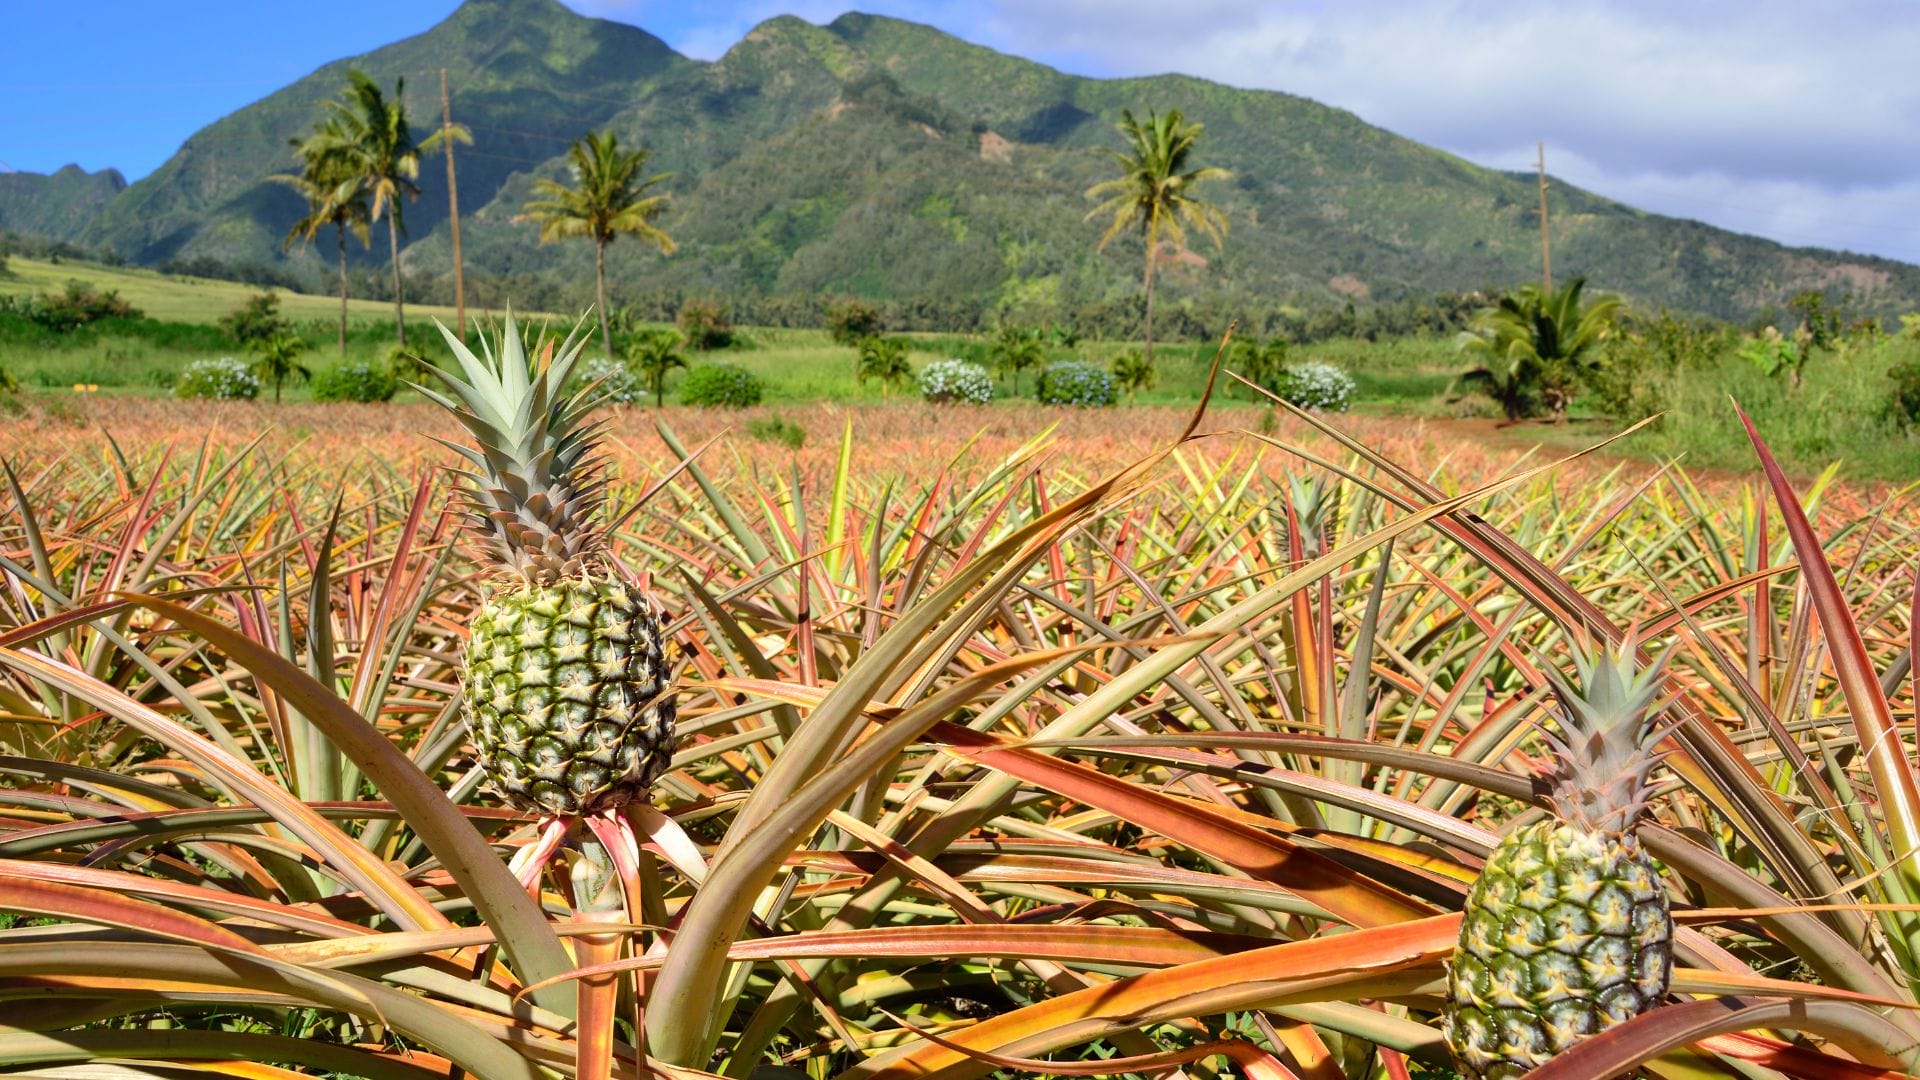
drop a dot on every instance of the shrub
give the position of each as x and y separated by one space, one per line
778 429
617 384
1906 392
356 380
851 319
224 379
1316 385
79 305
1075 382
956 382
704 325
257 318
728 386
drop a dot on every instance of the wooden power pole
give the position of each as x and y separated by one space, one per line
1546 253
453 212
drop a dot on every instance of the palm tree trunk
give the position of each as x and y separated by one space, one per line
340 231
1153 239
600 280
399 307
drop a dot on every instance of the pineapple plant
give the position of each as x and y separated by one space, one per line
1567 929
567 691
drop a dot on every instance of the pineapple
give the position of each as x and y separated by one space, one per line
567 697
1567 929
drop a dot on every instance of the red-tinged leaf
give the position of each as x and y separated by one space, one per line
383 887
438 822
183 894
1339 967
27 895
1626 1046
1255 1062
1893 778
228 1053
1346 894
1141 946
1793 1060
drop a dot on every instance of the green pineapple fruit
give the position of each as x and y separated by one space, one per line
567 696
1567 929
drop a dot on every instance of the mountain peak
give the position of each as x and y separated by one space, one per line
871 155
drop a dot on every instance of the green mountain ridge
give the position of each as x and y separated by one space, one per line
56 204
889 159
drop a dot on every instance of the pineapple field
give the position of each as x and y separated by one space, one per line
510 735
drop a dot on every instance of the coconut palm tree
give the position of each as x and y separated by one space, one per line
1535 343
1015 349
368 135
279 358
654 353
885 359
608 198
334 197
1154 190
1132 373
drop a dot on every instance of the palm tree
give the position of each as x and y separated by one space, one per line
1134 373
884 359
1153 190
1015 349
368 135
1534 342
609 198
653 354
280 357
334 197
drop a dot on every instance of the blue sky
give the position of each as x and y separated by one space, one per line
1791 120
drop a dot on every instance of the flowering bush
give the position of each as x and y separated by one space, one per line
956 382
1316 385
1075 382
617 384
724 385
224 379
358 379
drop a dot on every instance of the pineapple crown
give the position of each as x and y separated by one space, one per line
535 483
1610 723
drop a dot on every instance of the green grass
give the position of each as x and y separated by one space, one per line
1840 414
176 298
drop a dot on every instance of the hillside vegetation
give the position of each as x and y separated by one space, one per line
887 159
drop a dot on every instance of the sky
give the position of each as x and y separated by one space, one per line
1793 120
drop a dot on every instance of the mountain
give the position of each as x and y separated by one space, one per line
889 159
58 205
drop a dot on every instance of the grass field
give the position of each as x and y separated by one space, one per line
797 365
178 298
1841 415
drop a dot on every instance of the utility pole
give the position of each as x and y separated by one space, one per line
1546 253
453 211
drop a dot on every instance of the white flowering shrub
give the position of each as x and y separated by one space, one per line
224 379
617 384
1075 382
956 382
1316 385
